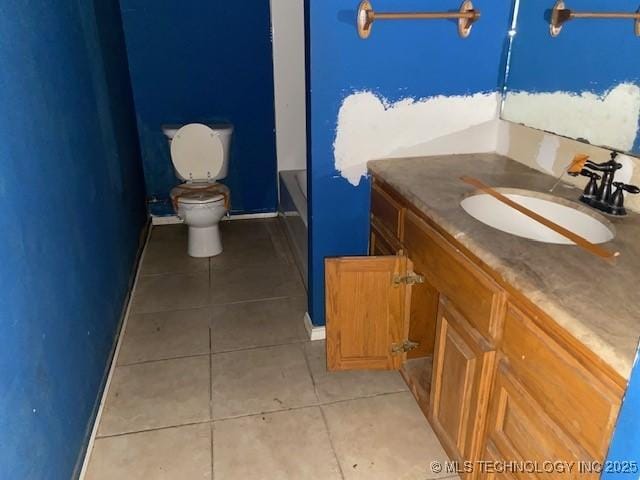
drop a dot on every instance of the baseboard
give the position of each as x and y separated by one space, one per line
167 220
247 216
314 332
114 357
174 219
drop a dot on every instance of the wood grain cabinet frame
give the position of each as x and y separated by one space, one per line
462 373
507 383
520 430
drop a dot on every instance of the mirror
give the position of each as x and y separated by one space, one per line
575 70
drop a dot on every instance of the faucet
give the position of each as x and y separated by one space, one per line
602 196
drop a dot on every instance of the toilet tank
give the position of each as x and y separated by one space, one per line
224 132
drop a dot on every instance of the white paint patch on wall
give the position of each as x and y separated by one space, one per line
371 128
287 25
610 119
547 153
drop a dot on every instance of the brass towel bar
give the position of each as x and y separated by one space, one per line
561 14
466 16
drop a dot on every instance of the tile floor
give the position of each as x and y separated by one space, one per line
215 378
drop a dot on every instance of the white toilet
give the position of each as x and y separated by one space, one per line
200 156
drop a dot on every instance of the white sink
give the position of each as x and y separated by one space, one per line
574 217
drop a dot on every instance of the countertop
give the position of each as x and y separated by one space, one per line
595 301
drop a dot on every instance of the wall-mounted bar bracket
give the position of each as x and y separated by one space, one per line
466 16
561 15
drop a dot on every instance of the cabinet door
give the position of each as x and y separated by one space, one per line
519 430
367 308
462 371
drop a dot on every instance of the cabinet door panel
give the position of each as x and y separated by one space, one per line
572 396
462 371
519 430
367 312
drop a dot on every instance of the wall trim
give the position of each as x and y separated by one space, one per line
114 357
315 332
174 219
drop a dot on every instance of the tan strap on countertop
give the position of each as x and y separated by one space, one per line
574 237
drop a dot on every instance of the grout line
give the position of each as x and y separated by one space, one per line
154 429
211 401
258 347
324 418
209 305
255 300
253 414
313 380
195 271
319 404
212 433
180 357
330 437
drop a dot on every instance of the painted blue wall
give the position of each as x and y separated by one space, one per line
205 61
401 59
588 55
71 189
625 446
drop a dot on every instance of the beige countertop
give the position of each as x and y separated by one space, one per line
597 302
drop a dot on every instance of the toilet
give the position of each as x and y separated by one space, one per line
200 156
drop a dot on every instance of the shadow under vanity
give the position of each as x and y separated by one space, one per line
515 350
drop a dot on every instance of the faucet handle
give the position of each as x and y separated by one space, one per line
626 187
616 206
610 166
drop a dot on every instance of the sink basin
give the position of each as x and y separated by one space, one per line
574 217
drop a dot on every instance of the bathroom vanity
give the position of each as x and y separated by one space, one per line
515 350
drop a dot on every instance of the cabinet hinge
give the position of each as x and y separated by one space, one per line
404 347
409 279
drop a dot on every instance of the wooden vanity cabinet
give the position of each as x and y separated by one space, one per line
519 429
462 372
497 379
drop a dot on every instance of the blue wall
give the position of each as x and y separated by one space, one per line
588 55
71 189
205 61
625 446
401 59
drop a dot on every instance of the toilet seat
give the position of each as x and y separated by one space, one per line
197 153
200 194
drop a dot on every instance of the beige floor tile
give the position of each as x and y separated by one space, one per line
382 438
162 335
334 386
262 380
158 293
254 282
252 242
257 324
167 454
157 394
163 233
170 257
277 446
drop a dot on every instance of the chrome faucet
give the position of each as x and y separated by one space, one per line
602 196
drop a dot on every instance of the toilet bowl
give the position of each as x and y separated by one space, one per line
200 157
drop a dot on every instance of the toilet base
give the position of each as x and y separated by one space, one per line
204 241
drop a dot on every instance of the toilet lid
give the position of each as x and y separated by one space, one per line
196 152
